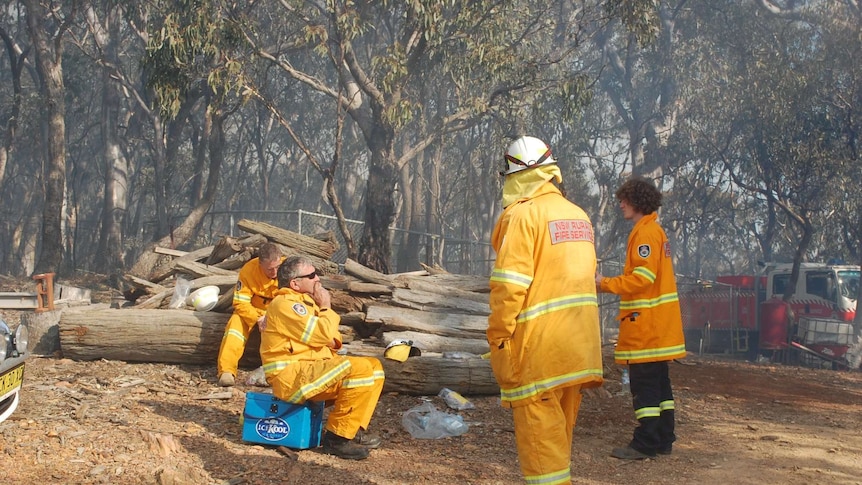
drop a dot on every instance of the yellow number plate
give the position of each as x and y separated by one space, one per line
11 380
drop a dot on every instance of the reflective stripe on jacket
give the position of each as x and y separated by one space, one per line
295 345
650 319
254 290
544 326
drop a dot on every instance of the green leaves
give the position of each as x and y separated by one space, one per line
198 42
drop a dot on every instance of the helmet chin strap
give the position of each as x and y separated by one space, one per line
515 161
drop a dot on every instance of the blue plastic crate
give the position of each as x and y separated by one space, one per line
268 420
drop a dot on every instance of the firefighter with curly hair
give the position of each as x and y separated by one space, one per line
651 332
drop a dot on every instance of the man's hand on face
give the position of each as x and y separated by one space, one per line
321 296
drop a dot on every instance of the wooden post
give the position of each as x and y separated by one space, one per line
44 292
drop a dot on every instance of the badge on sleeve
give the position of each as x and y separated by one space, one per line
300 309
644 250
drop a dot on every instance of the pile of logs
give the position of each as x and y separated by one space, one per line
445 315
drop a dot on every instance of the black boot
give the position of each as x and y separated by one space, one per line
368 440
343 447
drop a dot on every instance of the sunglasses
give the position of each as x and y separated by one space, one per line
310 276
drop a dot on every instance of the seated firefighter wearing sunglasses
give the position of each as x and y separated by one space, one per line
298 347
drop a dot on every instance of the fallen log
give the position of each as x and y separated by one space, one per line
368 288
478 284
438 343
426 375
187 337
446 324
144 286
134 335
435 302
200 270
423 284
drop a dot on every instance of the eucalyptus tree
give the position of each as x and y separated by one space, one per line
637 65
776 137
840 22
47 25
640 76
381 55
101 40
19 204
189 65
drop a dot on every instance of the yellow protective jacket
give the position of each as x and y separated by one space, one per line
299 344
650 319
544 325
254 290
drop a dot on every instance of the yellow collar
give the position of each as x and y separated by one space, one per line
525 183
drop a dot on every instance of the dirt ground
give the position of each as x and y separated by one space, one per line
118 423
111 422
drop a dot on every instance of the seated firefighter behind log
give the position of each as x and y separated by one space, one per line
298 349
255 288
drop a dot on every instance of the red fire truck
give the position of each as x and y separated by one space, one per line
746 313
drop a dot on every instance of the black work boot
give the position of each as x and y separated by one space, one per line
629 453
368 440
343 447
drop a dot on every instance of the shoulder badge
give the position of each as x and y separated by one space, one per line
644 250
300 309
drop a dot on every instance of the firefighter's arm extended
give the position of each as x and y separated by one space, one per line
645 260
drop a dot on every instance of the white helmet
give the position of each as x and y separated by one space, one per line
527 152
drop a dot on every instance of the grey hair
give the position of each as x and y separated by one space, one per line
289 269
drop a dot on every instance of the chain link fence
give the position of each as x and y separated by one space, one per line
452 254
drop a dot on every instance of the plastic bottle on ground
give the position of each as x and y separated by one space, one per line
626 381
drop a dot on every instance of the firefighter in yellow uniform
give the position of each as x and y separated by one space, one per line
255 288
298 345
543 330
651 332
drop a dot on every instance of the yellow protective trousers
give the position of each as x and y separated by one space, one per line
236 334
355 396
543 434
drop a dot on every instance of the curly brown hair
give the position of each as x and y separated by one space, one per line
641 194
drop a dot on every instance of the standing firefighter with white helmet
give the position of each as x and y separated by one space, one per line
544 324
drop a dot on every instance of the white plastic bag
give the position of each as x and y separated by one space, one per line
181 291
257 378
425 422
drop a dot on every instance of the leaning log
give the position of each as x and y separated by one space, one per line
225 247
306 244
365 273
